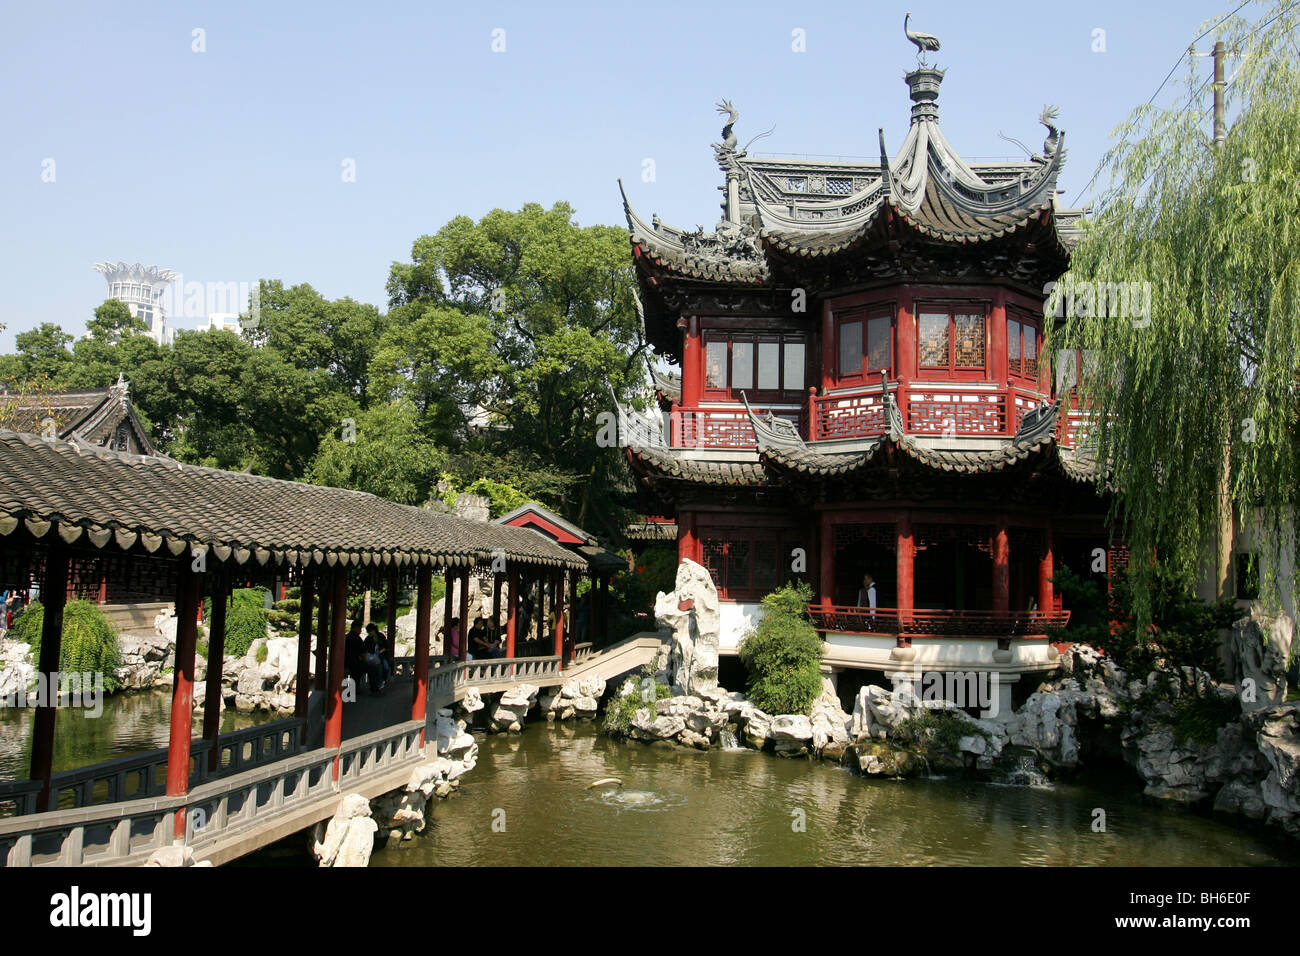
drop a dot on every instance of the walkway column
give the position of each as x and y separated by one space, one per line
559 615
572 640
906 568
1046 595
512 610
338 635
307 597
189 589
1001 566
449 582
423 608
826 562
54 595
464 615
217 654
324 623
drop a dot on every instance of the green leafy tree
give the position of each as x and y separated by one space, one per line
782 655
114 319
1202 398
43 353
507 334
88 644
388 455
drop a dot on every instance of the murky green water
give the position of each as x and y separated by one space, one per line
744 808
527 803
132 722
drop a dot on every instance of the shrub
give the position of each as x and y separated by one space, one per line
89 643
1198 720
622 708
939 730
782 656
244 625
239 597
261 654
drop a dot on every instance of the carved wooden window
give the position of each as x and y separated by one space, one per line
766 366
864 345
748 563
952 340
1022 346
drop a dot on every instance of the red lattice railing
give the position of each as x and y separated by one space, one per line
894 622
849 416
718 427
956 411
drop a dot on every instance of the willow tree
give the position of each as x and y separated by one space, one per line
1193 391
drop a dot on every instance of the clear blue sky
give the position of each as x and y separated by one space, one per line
226 165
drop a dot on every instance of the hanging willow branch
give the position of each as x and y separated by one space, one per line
1209 383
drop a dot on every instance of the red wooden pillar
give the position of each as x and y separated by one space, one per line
558 579
1001 566
464 615
829 365
995 357
302 688
906 558
338 636
571 637
692 364
324 623
189 589
512 611
905 349
423 609
826 561
217 654
1046 595
54 595
102 597
449 582
688 543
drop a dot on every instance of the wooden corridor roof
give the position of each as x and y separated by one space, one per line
119 499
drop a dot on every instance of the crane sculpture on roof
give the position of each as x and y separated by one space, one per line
924 41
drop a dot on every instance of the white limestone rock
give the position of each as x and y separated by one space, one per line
691 612
1260 649
791 734
349 838
646 726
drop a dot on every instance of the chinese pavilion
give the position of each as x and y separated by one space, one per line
861 392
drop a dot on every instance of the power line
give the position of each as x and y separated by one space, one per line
1177 63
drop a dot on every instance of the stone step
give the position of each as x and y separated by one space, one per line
133 617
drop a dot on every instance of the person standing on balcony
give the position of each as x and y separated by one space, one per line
867 593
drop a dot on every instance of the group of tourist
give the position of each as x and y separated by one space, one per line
368 657
483 641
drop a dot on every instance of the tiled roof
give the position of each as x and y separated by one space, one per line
670 465
117 497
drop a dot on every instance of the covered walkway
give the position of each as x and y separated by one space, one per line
181 533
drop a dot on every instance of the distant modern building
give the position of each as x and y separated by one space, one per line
141 288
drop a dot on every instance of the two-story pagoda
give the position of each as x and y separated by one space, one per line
861 392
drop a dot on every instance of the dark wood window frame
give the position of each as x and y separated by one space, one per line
952 371
755 340
868 372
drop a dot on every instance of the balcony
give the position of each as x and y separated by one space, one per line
954 409
905 624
